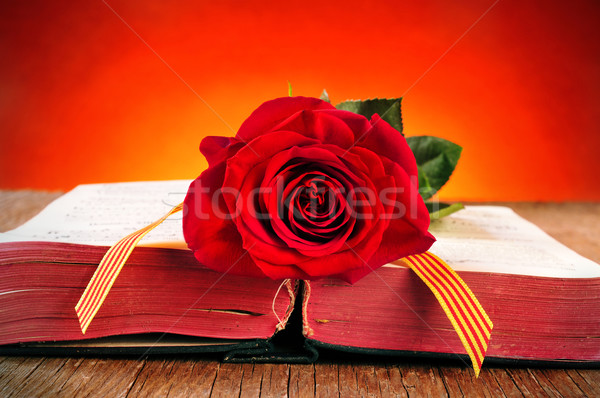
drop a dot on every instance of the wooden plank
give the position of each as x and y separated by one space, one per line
397 388
326 380
489 384
382 377
102 377
587 380
152 379
42 376
451 377
252 377
53 386
500 378
188 378
561 382
462 381
202 377
228 380
15 376
275 380
424 381
347 380
302 381
20 206
7 366
529 384
366 381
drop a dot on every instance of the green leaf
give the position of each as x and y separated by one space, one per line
438 210
325 96
388 109
436 160
289 88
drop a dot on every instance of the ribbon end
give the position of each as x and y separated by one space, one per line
109 268
464 311
82 324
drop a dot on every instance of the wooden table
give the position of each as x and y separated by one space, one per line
575 224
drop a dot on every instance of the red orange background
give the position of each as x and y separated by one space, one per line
112 91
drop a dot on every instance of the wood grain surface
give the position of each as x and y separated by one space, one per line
574 224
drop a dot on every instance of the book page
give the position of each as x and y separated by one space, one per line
496 239
102 214
478 238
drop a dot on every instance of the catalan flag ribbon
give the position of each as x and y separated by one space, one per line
468 318
470 321
96 291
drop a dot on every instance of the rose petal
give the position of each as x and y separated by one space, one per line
214 240
386 141
303 246
407 231
257 151
278 271
357 123
218 149
273 112
345 260
321 126
394 245
413 209
254 214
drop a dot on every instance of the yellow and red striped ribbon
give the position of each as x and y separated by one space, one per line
96 291
470 321
468 318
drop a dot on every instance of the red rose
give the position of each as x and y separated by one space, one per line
306 191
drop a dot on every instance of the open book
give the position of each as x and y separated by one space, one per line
542 297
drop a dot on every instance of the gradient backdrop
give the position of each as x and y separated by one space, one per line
97 91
